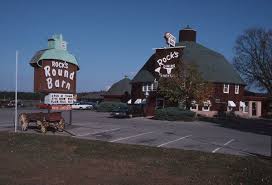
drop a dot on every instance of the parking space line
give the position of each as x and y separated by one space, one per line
6 122
215 150
124 138
174 141
99 132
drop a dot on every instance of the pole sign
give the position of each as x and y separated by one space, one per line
166 60
170 39
55 76
59 99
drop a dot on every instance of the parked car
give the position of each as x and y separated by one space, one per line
4 103
89 103
81 106
121 112
12 104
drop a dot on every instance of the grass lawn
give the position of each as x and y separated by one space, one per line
41 159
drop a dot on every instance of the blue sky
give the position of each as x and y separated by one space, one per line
115 38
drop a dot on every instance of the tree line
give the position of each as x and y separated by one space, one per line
9 95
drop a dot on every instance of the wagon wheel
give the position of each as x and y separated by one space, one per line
23 119
43 125
61 125
43 129
39 124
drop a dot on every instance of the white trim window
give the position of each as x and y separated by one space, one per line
155 85
226 88
236 89
144 88
242 106
247 106
149 87
206 105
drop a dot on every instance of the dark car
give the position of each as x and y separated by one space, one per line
4 103
121 112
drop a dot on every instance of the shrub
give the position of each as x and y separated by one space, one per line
268 116
227 115
136 111
109 106
174 114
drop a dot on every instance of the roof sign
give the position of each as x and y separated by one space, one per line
166 61
170 39
55 76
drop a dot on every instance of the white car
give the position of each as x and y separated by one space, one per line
81 106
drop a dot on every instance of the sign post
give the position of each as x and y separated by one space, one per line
16 89
70 117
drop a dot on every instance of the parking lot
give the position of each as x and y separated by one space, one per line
197 135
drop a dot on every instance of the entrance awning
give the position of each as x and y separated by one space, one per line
144 101
231 104
138 101
242 104
129 101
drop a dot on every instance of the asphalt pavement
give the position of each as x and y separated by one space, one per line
196 135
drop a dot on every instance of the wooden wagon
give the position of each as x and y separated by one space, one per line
42 120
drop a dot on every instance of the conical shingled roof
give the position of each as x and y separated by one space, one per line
212 65
120 87
144 74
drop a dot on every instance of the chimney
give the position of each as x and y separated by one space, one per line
187 34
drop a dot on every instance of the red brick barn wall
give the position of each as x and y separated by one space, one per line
225 97
136 91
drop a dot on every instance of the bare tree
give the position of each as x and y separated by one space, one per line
253 57
186 85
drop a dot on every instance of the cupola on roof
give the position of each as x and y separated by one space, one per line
57 50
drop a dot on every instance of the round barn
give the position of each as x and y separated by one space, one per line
228 87
119 91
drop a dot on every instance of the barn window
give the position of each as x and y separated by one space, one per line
149 87
246 106
155 85
236 89
144 88
226 88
